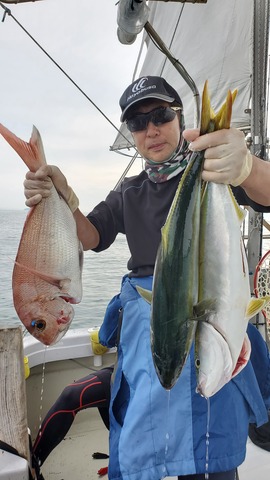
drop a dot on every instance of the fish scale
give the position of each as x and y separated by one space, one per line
40 231
175 284
221 250
47 273
224 302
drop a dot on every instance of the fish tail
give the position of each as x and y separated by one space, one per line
211 121
207 114
31 153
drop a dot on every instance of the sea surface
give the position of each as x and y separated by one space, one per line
102 274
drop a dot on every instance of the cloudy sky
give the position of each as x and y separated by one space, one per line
81 36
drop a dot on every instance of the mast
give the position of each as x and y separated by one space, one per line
259 141
258 121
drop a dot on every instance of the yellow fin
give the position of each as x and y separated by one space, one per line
145 294
241 212
207 114
205 307
209 120
256 305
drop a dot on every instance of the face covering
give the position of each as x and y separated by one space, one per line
164 171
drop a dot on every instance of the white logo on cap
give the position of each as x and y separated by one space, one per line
139 85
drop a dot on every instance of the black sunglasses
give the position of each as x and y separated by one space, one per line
158 116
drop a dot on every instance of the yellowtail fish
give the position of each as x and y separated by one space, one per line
175 283
224 301
176 277
47 273
180 303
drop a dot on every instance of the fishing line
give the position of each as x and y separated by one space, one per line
42 388
7 11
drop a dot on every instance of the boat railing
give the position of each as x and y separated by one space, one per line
75 344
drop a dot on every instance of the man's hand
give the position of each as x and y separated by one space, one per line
227 159
38 185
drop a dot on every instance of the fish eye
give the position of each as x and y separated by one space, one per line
39 325
197 363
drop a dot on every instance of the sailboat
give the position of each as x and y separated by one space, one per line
186 42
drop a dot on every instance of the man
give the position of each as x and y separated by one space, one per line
155 433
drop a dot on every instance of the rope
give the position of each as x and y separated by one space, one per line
173 36
126 170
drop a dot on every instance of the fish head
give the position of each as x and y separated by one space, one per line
47 319
214 363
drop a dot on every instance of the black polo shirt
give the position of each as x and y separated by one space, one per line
139 209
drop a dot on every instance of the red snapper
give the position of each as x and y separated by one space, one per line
47 273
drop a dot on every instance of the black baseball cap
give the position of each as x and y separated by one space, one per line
147 87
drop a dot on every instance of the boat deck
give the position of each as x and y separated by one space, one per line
72 459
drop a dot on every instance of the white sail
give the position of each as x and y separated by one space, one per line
212 41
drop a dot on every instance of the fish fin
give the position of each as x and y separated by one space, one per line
243 357
207 114
31 153
241 212
203 191
201 318
69 298
222 119
256 305
203 308
61 283
164 235
223 116
145 294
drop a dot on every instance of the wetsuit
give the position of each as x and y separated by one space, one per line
88 392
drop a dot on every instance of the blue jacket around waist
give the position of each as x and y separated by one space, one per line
156 433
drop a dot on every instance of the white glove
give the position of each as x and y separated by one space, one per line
227 159
38 185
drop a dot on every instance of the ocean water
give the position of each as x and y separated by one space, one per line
102 274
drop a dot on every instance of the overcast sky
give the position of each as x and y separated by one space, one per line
81 36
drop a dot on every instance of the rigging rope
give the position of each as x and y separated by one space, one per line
173 36
7 11
126 170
